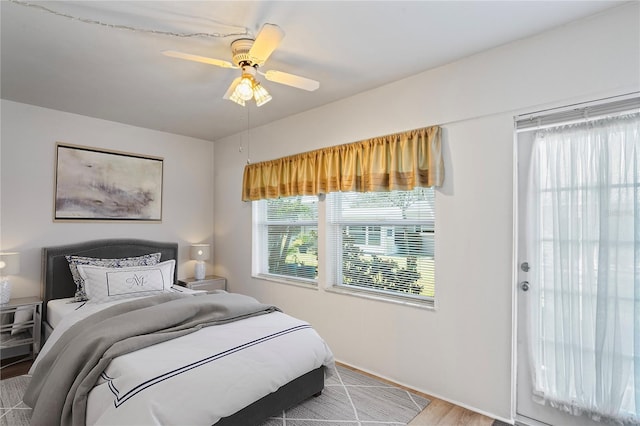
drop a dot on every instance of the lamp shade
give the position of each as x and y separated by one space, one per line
9 263
260 94
244 89
199 251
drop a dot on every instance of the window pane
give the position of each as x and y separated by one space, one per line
416 205
286 235
358 233
373 235
292 209
293 250
384 241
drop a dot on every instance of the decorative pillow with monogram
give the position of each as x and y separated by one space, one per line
75 261
107 284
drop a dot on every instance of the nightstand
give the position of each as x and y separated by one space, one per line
25 331
210 283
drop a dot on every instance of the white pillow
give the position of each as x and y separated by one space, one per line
23 314
106 284
74 261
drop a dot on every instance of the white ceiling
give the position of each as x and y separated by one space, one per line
97 70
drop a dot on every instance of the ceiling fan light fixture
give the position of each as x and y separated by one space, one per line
247 88
260 94
244 89
235 98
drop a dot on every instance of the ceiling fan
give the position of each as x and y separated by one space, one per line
248 55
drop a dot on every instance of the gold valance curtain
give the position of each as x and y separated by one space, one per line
401 161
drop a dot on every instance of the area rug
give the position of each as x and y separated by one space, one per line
349 398
13 412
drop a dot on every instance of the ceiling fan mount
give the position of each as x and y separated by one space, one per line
240 52
249 54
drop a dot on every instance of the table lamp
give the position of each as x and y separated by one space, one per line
9 265
199 253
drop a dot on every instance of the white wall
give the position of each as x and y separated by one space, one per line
27 156
462 351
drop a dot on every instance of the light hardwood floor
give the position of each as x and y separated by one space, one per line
442 413
14 367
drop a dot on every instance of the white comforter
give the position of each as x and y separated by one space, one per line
203 376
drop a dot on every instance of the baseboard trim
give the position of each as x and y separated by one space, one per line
528 421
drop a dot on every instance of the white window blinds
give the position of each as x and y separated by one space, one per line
383 241
286 237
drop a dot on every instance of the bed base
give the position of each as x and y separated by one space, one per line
293 393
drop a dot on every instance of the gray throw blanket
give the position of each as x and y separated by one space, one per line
66 374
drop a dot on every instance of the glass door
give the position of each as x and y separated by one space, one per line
579 272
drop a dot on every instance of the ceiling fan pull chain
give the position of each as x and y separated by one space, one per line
248 135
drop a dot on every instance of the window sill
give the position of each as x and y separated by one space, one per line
399 300
288 281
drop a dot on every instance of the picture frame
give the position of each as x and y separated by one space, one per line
94 184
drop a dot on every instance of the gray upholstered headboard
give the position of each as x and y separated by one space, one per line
57 282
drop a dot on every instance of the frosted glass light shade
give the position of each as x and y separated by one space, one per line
261 95
244 89
235 98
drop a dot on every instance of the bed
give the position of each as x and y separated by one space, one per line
58 284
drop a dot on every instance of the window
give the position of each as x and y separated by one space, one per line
383 242
286 237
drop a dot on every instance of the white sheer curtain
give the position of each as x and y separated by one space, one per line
584 249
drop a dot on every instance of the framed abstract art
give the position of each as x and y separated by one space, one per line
96 184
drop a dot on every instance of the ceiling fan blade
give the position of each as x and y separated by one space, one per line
196 58
292 80
231 88
265 43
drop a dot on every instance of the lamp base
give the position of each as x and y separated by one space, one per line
199 270
5 292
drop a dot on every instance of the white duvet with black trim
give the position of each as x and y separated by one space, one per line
207 373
